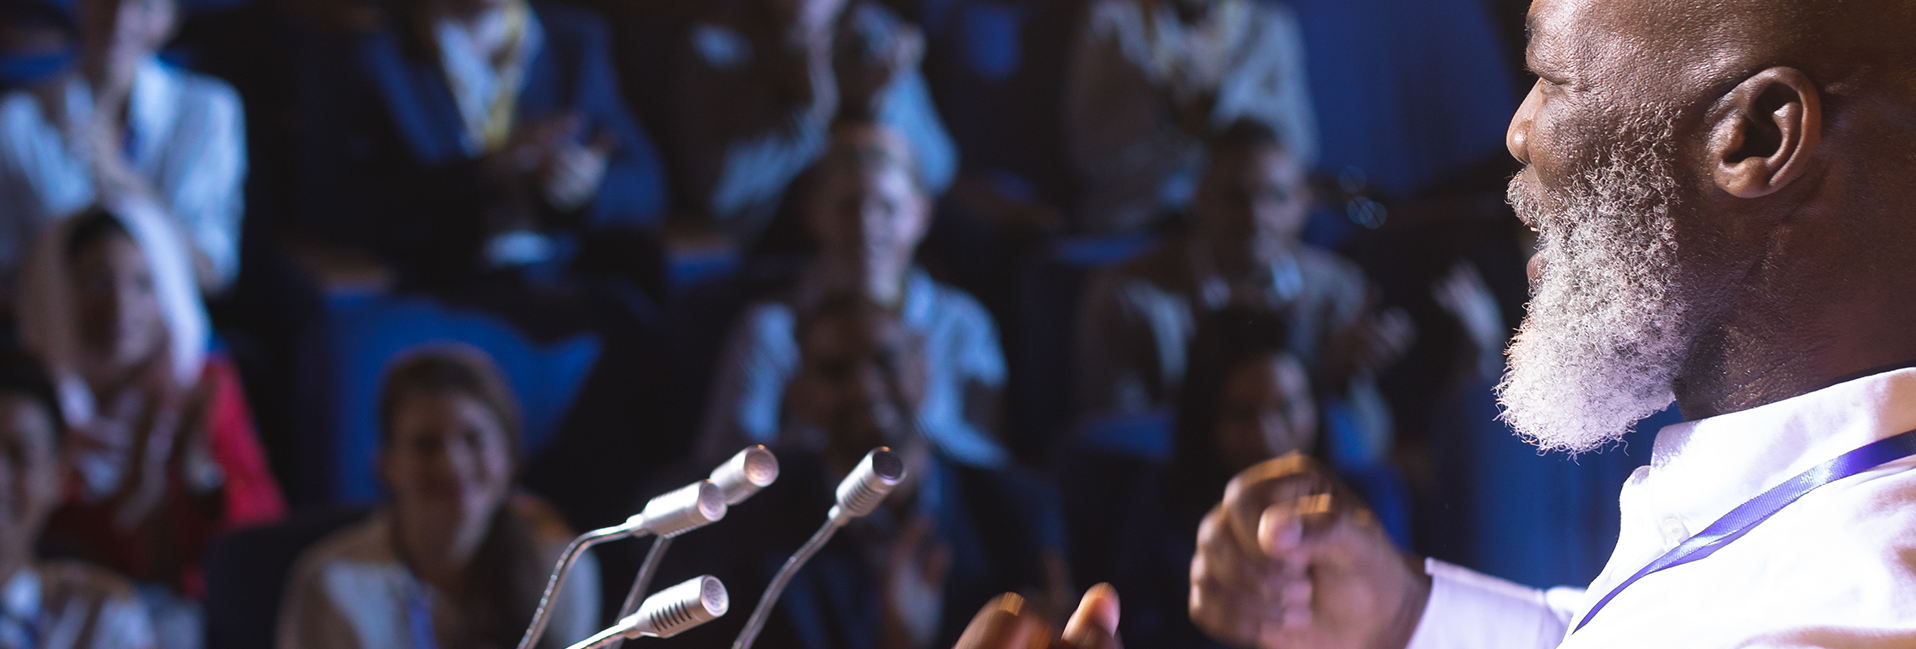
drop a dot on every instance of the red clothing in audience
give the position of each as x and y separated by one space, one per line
167 546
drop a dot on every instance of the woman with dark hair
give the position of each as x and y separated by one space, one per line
165 457
1246 398
456 559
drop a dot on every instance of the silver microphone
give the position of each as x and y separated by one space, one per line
859 494
752 469
679 511
671 514
670 612
738 479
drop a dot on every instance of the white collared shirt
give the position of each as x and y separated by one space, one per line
189 144
68 605
961 352
1836 568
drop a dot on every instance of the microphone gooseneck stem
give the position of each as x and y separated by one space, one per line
605 638
779 581
647 570
543 615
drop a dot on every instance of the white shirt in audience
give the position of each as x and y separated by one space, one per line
187 139
69 605
351 591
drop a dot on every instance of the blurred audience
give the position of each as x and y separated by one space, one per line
762 84
1141 164
1149 80
1248 399
1243 249
165 454
120 123
457 558
49 604
458 136
910 574
866 209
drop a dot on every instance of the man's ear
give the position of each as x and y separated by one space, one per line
1764 132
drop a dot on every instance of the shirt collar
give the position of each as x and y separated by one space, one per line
1701 470
152 105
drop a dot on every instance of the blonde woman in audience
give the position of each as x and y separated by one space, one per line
456 559
165 456
49 604
867 210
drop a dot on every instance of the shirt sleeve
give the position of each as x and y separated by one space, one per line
307 617
1469 610
252 494
208 197
1273 87
1119 369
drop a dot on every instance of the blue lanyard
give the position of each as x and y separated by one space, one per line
419 618
1747 516
28 627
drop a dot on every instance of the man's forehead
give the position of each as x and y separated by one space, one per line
1629 48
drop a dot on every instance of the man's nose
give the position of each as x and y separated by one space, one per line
1517 138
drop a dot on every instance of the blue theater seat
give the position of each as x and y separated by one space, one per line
347 353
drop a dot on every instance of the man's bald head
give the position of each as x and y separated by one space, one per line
1710 179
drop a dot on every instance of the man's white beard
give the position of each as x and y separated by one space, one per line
1605 334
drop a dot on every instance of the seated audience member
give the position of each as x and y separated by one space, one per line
165 453
122 123
459 136
49 604
1148 80
762 84
1247 399
867 211
1137 320
457 559
911 574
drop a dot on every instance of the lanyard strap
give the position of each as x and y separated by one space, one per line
1747 516
419 618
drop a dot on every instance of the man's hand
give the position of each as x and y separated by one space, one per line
1291 560
1006 623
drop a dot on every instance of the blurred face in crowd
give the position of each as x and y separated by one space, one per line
116 34
1251 206
447 461
1265 411
114 297
29 475
1608 328
868 212
859 382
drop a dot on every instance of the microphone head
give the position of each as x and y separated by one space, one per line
869 483
684 509
751 470
674 610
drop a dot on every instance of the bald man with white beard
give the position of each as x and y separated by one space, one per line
1722 191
